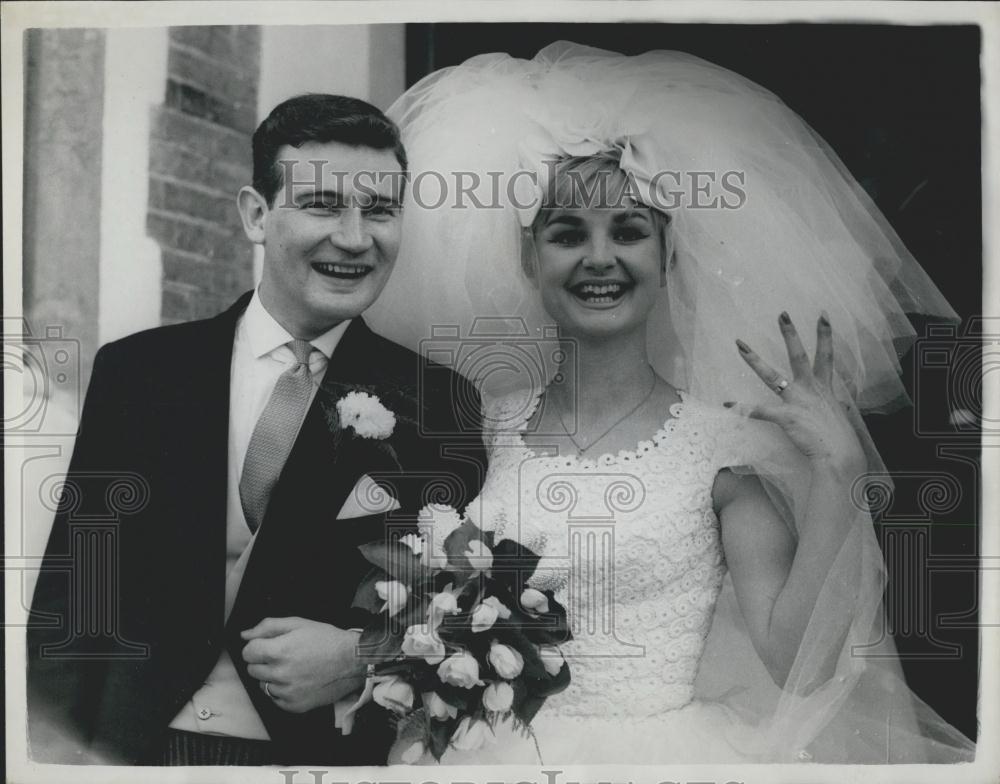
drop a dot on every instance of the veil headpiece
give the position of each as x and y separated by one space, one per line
786 227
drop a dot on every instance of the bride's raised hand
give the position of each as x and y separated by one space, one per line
805 406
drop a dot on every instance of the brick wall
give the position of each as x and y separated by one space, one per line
199 159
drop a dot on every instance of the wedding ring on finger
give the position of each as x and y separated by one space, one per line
267 690
781 385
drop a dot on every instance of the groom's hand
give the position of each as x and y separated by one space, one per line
305 664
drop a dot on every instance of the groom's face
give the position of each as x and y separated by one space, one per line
331 234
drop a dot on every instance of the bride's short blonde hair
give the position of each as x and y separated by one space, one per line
591 182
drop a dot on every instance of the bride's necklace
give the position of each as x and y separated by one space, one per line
581 448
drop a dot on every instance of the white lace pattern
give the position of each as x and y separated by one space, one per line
631 546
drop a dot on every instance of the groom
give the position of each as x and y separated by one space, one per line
228 633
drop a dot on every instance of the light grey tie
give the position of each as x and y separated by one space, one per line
274 434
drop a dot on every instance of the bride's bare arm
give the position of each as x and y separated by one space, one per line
778 579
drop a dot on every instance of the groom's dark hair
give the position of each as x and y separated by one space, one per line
317 117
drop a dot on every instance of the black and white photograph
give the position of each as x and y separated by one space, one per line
535 392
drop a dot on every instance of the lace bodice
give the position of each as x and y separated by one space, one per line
630 544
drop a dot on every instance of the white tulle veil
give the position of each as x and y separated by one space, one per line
803 237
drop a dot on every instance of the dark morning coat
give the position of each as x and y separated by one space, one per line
127 618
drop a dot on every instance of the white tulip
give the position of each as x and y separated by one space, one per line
552 659
437 708
393 593
421 641
460 669
505 660
534 601
498 697
470 734
395 694
483 618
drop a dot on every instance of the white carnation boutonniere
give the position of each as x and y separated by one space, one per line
366 415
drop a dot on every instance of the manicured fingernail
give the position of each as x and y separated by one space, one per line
729 404
742 346
824 319
784 318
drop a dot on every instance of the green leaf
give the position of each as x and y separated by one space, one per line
366 597
440 736
534 669
411 728
513 565
456 545
551 684
526 707
379 643
457 697
551 628
397 560
530 693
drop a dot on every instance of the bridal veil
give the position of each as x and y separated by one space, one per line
765 218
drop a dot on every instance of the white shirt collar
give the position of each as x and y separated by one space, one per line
265 334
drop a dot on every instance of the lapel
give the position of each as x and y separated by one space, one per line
315 481
197 427
318 466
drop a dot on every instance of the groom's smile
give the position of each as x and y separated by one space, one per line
331 235
341 271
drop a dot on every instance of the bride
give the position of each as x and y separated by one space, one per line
690 464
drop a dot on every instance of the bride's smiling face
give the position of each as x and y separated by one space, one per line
599 271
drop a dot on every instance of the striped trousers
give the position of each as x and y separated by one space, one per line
195 748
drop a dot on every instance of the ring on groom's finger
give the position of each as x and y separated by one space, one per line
267 690
781 385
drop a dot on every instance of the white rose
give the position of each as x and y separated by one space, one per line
534 601
366 415
470 734
422 642
505 660
500 607
483 618
498 697
437 708
393 593
414 541
552 659
413 753
479 555
460 670
442 604
394 694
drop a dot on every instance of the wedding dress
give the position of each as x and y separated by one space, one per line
632 549
660 671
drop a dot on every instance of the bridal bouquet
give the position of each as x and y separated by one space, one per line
459 641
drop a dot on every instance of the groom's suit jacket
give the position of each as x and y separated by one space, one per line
128 615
